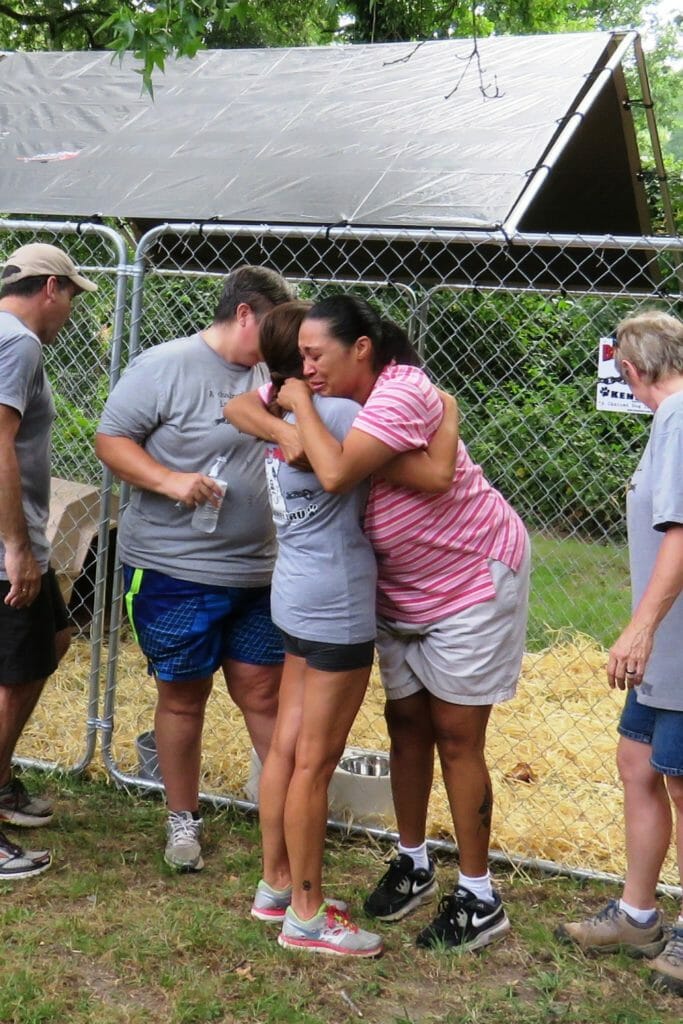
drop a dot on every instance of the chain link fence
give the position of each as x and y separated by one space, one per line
63 731
511 325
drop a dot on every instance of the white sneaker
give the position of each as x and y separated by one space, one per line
271 904
331 932
183 851
17 863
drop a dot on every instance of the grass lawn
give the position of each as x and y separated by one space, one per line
577 586
110 936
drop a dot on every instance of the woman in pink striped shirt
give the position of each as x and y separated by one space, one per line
452 601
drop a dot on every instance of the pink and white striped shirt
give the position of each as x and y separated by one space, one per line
432 549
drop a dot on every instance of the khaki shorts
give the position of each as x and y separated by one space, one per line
473 657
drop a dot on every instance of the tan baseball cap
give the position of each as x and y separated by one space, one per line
39 259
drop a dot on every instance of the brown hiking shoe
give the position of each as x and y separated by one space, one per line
18 807
611 930
668 966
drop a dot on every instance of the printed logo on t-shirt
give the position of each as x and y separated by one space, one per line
282 513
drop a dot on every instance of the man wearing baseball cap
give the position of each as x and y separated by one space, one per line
37 287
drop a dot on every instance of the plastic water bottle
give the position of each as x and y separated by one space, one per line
205 517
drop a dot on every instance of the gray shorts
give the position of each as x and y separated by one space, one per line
472 657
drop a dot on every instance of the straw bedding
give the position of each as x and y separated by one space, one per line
550 750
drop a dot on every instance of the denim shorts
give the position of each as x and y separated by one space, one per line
660 729
187 630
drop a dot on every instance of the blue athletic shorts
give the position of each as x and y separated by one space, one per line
187 630
660 729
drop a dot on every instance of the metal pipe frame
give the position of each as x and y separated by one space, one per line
500 238
567 133
58 228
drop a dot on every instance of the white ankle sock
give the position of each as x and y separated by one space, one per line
480 887
418 854
641 916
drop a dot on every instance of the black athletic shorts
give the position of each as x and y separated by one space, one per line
27 635
330 657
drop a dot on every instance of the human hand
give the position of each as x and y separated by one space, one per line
292 392
628 657
290 445
24 575
192 489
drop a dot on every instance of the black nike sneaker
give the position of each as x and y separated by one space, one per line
465 922
401 889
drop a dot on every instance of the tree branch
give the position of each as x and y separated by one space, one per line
77 13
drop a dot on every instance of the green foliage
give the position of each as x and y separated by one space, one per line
524 370
578 587
156 30
389 20
73 456
260 23
163 29
554 456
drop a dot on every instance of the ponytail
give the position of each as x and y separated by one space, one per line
395 346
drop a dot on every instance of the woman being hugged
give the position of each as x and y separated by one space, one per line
453 576
323 601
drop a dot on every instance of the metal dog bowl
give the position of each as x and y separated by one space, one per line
374 765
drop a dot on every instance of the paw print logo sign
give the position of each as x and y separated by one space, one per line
613 393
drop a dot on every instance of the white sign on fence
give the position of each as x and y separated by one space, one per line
613 393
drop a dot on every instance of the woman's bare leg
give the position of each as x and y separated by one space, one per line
411 763
647 817
460 740
178 723
675 786
277 773
254 689
331 702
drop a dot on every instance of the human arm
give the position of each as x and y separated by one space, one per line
249 415
23 572
433 469
339 466
129 461
634 646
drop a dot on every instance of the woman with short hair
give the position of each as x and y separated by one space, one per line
646 659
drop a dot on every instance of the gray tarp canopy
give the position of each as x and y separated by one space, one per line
371 136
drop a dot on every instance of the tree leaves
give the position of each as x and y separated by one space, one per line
169 28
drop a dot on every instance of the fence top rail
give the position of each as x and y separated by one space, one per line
68 227
340 232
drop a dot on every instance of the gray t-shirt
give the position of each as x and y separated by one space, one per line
24 387
170 400
325 574
654 501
